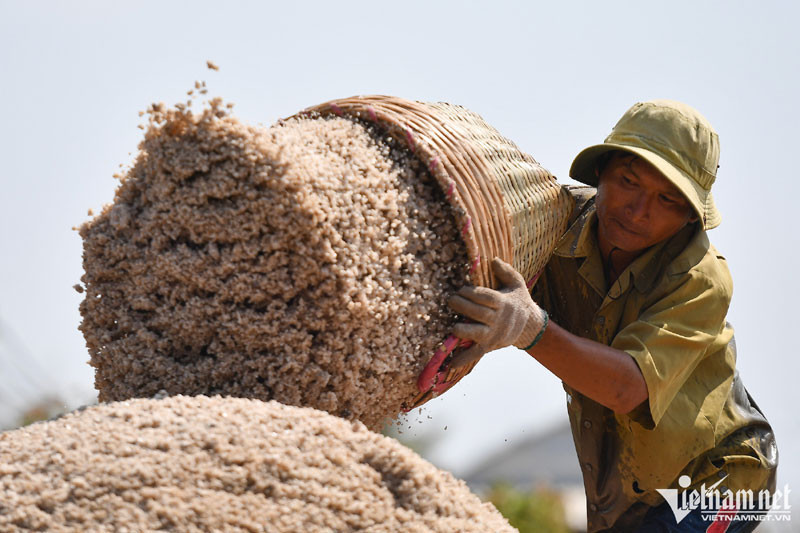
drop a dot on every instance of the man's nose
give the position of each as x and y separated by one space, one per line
638 209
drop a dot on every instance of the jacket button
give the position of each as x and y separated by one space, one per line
587 466
587 424
593 508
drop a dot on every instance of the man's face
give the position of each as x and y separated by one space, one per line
637 206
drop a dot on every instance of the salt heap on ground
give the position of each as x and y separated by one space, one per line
224 464
308 263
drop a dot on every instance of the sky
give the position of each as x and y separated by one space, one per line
552 76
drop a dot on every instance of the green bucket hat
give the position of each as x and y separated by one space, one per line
674 138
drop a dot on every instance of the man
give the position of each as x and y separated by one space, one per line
630 314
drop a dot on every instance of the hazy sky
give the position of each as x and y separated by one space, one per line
552 76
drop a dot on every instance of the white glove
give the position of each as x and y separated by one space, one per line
503 317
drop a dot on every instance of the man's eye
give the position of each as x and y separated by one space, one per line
668 200
627 181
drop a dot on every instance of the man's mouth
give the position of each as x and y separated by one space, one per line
627 229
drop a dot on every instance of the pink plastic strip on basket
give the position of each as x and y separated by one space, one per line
475 265
533 280
466 227
410 140
433 376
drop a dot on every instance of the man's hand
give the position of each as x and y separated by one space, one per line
504 317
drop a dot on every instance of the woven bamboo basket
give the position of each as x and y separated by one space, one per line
506 204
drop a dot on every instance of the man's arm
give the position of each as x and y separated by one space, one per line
606 375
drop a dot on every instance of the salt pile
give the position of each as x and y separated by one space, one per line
307 263
224 464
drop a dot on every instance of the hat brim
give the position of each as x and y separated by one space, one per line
583 170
